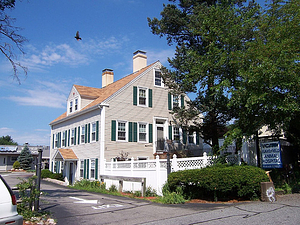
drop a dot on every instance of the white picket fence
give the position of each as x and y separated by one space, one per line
155 171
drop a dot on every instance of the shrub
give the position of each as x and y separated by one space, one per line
150 192
48 174
113 188
222 181
16 165
172 197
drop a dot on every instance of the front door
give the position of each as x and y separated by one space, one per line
71 174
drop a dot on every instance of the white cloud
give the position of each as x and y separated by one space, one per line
6 131
161 55
44 93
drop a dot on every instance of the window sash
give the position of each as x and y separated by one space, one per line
142 132
82 134
121 131
176 134
158 78
76 104
93 131
142 97
71 106
72 136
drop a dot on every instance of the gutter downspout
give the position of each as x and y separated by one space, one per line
102 108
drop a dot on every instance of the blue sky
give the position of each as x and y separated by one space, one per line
111 31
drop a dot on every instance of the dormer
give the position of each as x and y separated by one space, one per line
74 101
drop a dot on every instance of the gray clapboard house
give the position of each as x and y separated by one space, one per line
129 115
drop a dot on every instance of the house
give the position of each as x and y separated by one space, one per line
10 153
130 116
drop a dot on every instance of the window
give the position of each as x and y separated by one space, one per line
56 140
176 134
81 168
121 131
72 136
82 137
64 139
191 138
158 79
93 131
71 106
142 96
175 101
76 104
92 168
142 132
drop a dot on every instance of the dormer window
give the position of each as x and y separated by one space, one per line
76 104
71 106
158 81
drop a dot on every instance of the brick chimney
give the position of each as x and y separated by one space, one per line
107 77
139 60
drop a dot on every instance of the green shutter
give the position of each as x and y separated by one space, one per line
169 101
182 101
170 132
150 98
69 137
96 169
85 135
113 130
130 131
87 169
89 133
75 134
66 137
97 131
150 133
52 167
78 136
197 138
53 141
84 169
134 95
184 136
135 132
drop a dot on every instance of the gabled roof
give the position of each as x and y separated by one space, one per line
66 154
101 94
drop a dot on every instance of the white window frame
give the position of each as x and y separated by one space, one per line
93 132
82 135
81 168
161 80
71 106
63 143
175 100
191 135
72 137
146 132
56 141
176 135
126 130
76 104
146 96
92 168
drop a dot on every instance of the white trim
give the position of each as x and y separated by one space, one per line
126 130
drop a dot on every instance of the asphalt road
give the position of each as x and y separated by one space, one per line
70 206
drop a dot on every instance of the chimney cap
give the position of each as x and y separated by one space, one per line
107 70
139 51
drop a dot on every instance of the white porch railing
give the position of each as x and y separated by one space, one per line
155 171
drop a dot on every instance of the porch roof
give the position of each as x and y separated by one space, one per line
65 154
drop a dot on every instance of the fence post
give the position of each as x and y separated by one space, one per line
205 159
157 172
174 163
131 165
111 165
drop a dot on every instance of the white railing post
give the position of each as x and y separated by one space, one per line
239 158
131 165
111 166
157 172
205 159
174 163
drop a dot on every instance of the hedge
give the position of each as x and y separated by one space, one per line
48 174
222 182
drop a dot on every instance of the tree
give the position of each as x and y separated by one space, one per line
25 159
269 88
7 140
10 38
210 36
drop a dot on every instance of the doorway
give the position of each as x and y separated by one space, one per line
71 174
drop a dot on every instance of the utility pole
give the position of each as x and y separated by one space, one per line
38 180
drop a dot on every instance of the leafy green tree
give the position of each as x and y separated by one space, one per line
210 37
10 38
7 140
25 159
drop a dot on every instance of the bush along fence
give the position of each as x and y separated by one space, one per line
155 171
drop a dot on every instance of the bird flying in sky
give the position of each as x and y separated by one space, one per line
77 36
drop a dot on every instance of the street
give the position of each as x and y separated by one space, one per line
69 206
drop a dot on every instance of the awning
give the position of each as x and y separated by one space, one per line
65 154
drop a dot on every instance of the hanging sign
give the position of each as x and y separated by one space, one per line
271 155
